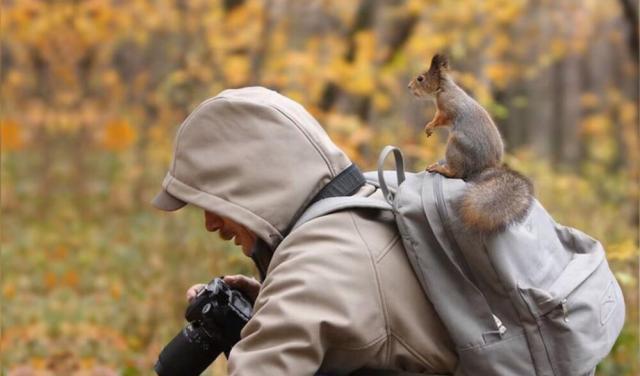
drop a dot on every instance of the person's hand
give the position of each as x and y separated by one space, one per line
248 286
193 291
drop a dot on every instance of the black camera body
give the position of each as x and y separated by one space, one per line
216 316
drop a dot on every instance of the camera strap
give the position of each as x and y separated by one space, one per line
346 183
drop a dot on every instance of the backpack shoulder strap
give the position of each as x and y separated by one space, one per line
334 204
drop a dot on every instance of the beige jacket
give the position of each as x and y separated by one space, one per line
339 293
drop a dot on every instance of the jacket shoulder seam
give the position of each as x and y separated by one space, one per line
413 351
374 270
381 338
388 248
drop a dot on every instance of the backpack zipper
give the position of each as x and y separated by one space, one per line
441 206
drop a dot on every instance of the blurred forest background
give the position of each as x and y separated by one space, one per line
93 278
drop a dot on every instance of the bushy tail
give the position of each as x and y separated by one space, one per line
494 199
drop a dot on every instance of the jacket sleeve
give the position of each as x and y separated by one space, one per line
318 296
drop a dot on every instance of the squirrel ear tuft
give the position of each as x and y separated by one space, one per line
440 61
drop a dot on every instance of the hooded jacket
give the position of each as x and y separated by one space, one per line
339 293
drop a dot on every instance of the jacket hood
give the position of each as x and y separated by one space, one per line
251 155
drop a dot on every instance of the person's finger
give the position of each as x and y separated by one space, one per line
248 286
193 291
240 281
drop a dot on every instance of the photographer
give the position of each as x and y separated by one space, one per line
338 294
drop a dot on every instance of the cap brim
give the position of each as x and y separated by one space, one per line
165 201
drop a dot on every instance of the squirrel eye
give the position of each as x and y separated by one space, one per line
420 78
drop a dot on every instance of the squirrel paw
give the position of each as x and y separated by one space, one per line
432 167
442 169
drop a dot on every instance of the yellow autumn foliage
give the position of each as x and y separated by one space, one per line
118 135
237 69
11 136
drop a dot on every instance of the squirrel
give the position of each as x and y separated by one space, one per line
496 196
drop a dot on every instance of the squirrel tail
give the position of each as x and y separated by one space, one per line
494 199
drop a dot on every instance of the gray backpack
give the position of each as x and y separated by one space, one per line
536 299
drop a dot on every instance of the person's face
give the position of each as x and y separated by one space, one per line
230 230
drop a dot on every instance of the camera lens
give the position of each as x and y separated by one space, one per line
216 317
189 353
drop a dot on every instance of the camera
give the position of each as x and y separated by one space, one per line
216 316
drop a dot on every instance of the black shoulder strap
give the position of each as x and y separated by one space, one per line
346 183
